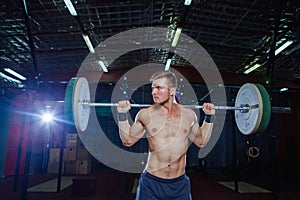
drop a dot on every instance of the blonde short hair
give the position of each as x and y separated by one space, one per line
165 74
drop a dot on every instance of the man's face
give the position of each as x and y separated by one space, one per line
161 92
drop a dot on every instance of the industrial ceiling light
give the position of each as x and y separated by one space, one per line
254 67
104 68
176 37
16 74
88 43
9 78
282 47
168 64
187 2
284 89
70 7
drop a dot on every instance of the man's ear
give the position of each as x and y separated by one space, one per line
173 91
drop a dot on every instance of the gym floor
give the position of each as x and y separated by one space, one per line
117 185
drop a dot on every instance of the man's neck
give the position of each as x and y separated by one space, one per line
170 107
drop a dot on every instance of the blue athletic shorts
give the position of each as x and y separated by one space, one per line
155 188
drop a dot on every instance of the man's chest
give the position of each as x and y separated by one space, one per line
168 127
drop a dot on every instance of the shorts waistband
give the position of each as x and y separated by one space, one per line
165 180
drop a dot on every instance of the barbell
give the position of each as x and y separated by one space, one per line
252 106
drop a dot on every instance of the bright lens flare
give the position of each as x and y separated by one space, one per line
47 117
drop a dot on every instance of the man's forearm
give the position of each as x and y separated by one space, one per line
204 134
206 131
124 129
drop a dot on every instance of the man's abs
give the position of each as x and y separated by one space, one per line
164 167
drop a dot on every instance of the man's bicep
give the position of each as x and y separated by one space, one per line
137 129
194 127
194 131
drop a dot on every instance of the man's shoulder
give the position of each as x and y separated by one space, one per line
187 110
188 113
144 112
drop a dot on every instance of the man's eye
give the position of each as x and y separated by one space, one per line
156 88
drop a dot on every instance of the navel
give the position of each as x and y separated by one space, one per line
185 131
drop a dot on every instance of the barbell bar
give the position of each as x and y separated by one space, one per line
252 106
242 108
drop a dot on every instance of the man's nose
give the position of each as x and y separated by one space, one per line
153 91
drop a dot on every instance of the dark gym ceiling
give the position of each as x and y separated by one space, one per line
44 42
